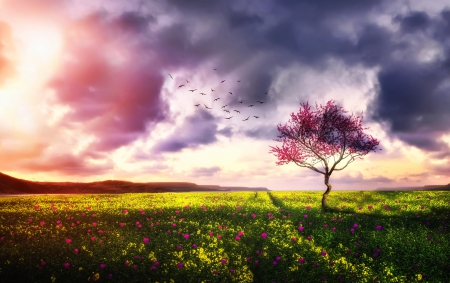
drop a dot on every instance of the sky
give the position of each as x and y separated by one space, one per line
90 90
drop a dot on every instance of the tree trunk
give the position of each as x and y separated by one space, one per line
325 195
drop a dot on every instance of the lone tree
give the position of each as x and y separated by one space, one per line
320 135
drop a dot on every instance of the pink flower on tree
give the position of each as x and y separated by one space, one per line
264 235
315 136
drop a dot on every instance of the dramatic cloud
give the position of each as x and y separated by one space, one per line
112 91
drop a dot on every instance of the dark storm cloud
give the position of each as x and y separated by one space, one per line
406 96
413 22
241 19
250 42
198 129
414 95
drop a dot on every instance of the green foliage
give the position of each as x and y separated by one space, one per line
413 239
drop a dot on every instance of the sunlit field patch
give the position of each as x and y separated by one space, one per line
226 237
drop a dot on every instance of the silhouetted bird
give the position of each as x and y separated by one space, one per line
239 81
241 101
202 93
251 105
230 92
226 111
222 81
187 81
197 105
256 117
260 101
180 86
192 90
229 117
212 90
215 69
266 92
224 106
207 107
246 119
170 76
216 99
236 111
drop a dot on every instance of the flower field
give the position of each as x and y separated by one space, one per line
226 237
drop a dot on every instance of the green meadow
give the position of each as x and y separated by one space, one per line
227 237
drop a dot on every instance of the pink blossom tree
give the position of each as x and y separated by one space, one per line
313 137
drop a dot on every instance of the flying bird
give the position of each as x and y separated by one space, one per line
192 90
224 106
180 86
226 111
207 107
187 81
251 105
170 76
222 81
239 81
230 92
246 119
260 101
215 69
236 111
197 105
241 101
256 117
216 99
202 93
229 117
266 92
212 90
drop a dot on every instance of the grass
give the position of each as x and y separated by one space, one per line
226 237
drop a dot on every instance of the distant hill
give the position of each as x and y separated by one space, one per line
424 188
11 185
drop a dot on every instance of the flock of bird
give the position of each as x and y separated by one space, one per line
212 90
